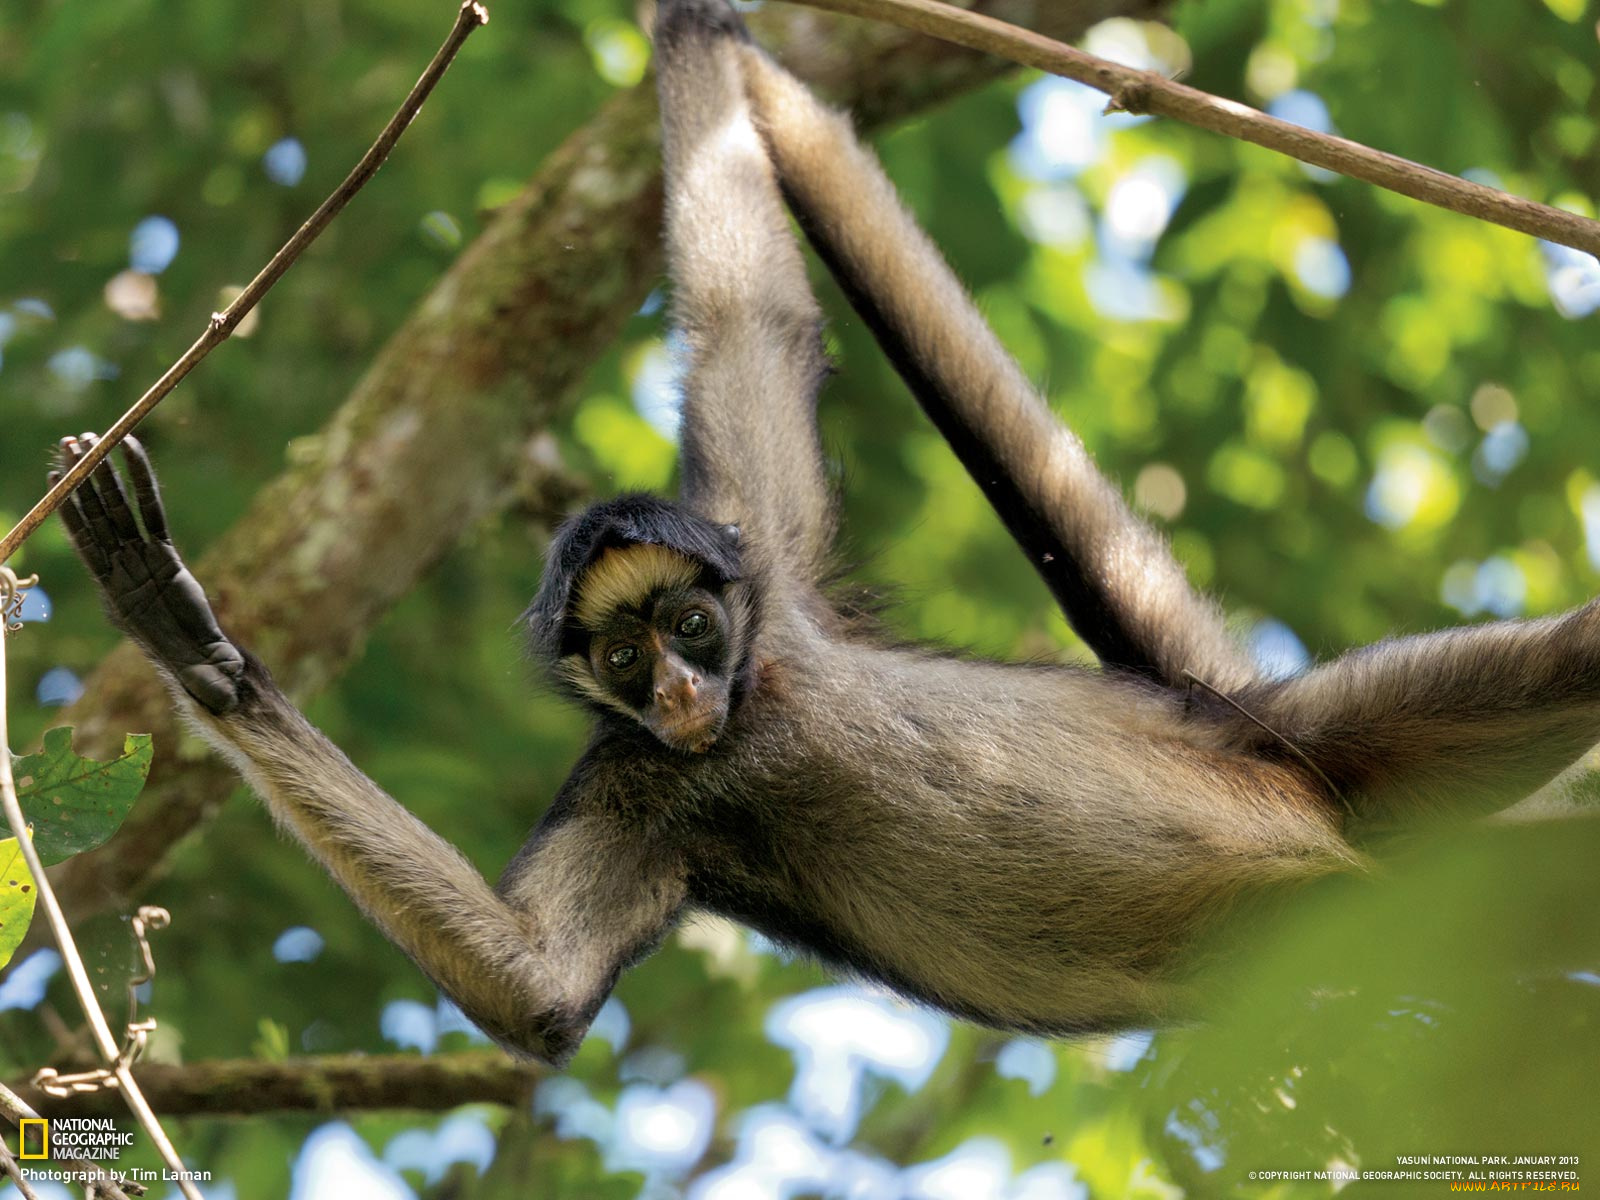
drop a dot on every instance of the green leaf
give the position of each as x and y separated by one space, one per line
17 895
273 1044
74 804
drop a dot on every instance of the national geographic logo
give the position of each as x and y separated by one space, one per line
88 1139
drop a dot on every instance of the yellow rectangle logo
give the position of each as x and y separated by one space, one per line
39 1145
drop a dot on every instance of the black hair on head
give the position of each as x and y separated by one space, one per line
630 520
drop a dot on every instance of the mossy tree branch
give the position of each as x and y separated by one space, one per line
329 1084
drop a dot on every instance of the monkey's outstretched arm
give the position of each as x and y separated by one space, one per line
529 963
750 454
1450 724
1113 576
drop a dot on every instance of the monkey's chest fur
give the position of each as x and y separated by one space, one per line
1016 845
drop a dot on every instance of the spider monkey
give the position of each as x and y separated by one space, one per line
1033 848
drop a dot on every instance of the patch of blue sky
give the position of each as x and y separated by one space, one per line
1029 1060
448 1018
1400 485
25 986
285 162
35 604
840 1034
1572 279
335 1164
1140 204
1123 41
153 245
1198 1129
661 1131
1065 129
1048 1181
1277 650
778 1157
1496 585
76 367
297 944
1124 290
657 385
1497 455
58 687
1054 214
575 1112
461 1137
978 1169
659 1065
410 1025
1321 267
1125 1050
1589 510
1502 587
612 1025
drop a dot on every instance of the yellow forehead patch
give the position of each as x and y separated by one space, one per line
627 575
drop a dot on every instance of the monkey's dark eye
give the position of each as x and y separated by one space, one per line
622 658
693 624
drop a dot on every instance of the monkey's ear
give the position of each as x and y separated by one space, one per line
545 617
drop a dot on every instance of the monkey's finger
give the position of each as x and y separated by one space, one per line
143 478
98 503
94 512
78 533
115 500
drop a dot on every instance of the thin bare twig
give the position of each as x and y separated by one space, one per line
15 1109
471 15
1137 91
14 1173
110 1052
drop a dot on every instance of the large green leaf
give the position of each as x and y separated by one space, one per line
17 895
74 804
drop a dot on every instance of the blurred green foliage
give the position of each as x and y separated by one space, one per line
1352 462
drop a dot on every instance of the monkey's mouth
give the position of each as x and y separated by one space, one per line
693 734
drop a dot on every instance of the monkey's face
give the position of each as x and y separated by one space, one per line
667 660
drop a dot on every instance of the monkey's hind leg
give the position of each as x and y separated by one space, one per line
1459 722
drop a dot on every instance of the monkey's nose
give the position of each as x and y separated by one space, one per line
677 691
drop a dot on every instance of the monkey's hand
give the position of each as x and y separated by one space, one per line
149 592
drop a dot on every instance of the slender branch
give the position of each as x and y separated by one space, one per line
110 1052
14 1173
1137 91
15 1109
471 15
331 1083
